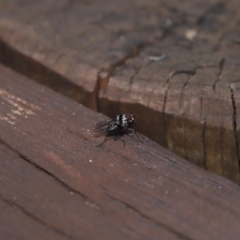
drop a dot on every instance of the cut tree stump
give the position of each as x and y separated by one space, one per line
55 183
175 65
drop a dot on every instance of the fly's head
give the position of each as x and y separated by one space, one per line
129 119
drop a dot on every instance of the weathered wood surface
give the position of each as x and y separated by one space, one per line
55 183
105 55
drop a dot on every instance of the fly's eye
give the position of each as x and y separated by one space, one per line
130 117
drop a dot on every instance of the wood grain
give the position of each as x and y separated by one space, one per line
175 65
55 180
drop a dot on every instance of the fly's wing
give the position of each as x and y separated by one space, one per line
100 128
103 124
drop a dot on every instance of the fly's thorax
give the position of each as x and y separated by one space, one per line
124 120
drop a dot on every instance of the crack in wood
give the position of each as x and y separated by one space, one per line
62 183
204 144
33 217
134 209
133 76
221 66
234 123
102 83
132 54
163 110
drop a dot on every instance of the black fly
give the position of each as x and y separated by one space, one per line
116 128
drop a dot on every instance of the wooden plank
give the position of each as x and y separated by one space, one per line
48 202
173 62
55 177
16 223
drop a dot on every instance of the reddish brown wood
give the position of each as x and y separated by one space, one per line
55 179
99 53
16 223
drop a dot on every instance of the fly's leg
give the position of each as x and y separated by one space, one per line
105 140
115 138
137 133
121 138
